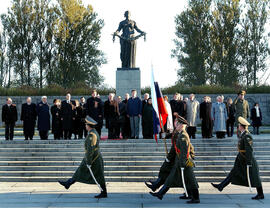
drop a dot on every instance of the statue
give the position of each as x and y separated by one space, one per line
128 40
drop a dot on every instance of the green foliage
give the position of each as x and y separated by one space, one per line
50 44
221 42
192 46
52 90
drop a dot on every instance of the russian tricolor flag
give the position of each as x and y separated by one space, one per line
160 113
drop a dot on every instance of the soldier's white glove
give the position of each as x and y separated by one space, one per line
163 135
88 166
167 160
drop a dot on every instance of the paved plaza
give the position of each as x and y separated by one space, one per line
130 195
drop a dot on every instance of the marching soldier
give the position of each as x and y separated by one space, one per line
181 174
91 169
9 116
245 171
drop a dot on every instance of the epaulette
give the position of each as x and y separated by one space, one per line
185 136
13 105
94 139
249 139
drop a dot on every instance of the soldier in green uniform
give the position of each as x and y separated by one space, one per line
92 161
183 159
241 106
245 164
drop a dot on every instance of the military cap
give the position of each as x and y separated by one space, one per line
243 121
181 120
90 121
242 92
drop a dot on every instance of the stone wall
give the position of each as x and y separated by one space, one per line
262 99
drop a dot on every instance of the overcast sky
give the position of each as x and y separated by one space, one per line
156 18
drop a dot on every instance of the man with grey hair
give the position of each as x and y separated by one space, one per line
29 117
9 117
192 115
43 113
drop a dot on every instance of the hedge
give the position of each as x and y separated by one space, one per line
85 90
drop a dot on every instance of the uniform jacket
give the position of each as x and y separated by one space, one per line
241 108
181 146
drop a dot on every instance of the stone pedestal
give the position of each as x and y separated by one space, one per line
128 79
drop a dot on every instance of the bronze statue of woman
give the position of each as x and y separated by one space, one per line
128 40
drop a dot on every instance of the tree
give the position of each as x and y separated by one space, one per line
193 42
254 44
225 40
77 38
45 20
19 23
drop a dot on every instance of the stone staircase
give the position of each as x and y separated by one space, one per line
125 160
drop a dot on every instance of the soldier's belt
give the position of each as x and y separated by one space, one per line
241 150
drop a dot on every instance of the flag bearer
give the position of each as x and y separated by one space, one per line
183 165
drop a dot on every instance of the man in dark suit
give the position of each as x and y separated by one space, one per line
9 116
94 109
43 113
29 117
67 116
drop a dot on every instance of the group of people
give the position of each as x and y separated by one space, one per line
123 118
178 167
219 117
66 117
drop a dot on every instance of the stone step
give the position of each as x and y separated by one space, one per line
120 149
124 154
119 163
119 168
114 173
161 157
108 179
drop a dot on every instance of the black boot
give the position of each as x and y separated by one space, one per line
67 183
195 197
103 193
259 195
154 185
185 196
161 192
223 184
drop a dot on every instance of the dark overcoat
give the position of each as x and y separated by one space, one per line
67 114
43 113
94 109
9 114
29 116
56 119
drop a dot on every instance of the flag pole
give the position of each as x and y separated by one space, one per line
162 131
